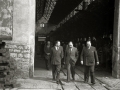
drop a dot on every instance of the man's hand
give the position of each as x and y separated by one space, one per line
97 63
82 62
48 53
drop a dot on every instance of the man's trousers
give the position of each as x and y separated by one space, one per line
47 61
56 72
89 70
71 69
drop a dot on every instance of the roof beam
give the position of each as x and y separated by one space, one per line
50 4
82 6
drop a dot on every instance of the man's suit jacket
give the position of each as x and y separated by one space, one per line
47 50
56 55
71 55
89 56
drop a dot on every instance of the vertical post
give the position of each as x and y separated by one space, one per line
31 27
116 41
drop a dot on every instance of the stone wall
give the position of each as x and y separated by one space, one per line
21 53
22 45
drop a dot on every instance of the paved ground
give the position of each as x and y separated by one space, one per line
43 81
105 78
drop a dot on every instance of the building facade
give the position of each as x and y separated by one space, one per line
22 42
22 37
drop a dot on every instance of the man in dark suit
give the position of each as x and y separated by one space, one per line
88 58
71 56
56 57
47 49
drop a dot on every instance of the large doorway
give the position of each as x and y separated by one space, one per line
97 23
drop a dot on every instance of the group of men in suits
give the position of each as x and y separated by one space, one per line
88 58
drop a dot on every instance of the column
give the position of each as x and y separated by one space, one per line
116 41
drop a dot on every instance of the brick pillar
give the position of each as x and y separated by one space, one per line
116 41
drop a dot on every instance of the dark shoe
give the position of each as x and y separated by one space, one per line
85 81
57 82
47 68
93 83
53 79
73 79
61 83
68 80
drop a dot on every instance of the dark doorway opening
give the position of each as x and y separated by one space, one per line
97 21
39 38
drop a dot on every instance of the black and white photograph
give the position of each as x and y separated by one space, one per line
59 45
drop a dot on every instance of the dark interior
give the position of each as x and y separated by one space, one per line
96 21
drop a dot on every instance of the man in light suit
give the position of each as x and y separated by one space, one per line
71 56
88 58
56 57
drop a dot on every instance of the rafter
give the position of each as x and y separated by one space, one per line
50 4
82 6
